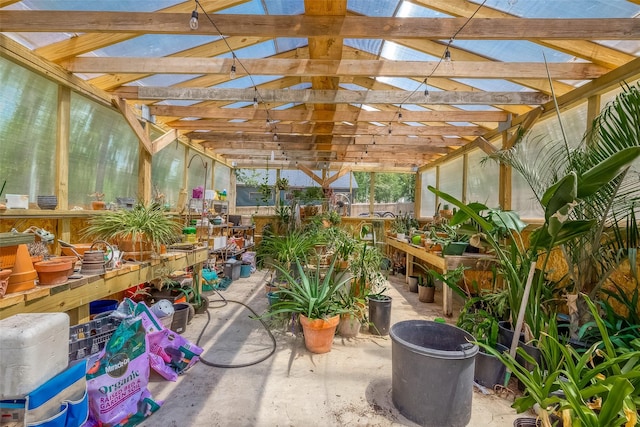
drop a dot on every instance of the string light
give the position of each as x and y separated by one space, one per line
255 98
275 137
193 22
232 73
268 124
446 57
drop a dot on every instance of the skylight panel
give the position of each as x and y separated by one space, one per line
253 7
284 7
566 8
165 79
412 10
110 6
373 8
398 52
493 85
284 44
154 45
510 50
243 82
371 46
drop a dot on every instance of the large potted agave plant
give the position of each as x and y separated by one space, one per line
313 296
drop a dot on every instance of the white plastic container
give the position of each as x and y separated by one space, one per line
34 347
17 201
219 242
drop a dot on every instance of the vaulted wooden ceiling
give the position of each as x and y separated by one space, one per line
344 84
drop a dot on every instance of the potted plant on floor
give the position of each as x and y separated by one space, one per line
426 288
138 232
597 387
479 316
313 296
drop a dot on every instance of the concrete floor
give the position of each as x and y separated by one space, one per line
351 385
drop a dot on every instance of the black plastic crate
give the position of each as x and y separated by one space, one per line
89 338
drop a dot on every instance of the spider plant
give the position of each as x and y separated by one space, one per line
140 224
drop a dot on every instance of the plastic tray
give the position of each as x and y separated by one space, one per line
89 338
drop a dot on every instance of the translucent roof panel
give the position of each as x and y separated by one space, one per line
283 44
398 52
510 50
374 8
493 85
109 6
165 79
153 45
253 7
372 46
566 8
411 10
284 7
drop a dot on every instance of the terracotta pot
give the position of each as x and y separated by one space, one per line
349 326
426 293
98 205
4 281
318 333
80 248
53 272
8 256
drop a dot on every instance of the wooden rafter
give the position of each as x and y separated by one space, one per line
345 67
319 25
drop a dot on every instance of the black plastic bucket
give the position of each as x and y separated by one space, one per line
489 370
180 317
380 315
432 373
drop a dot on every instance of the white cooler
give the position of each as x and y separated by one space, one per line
34 347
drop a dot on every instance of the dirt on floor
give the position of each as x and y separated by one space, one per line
282 384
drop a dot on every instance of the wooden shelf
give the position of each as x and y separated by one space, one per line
47 213
77 294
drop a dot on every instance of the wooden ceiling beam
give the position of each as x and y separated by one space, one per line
341 129
307 25
319 116
346 67
332 96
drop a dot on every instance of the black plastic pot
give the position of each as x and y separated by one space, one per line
505 333
432 372
489 370
379 314
526 422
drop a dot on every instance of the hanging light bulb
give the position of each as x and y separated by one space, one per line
232 73
275 137
447 55
193 22
399 117
267 125
389 129
426 91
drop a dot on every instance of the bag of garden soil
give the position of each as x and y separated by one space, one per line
117 379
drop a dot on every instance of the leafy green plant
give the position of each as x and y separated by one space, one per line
282 251
142 223
598 388
479 322
594 172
